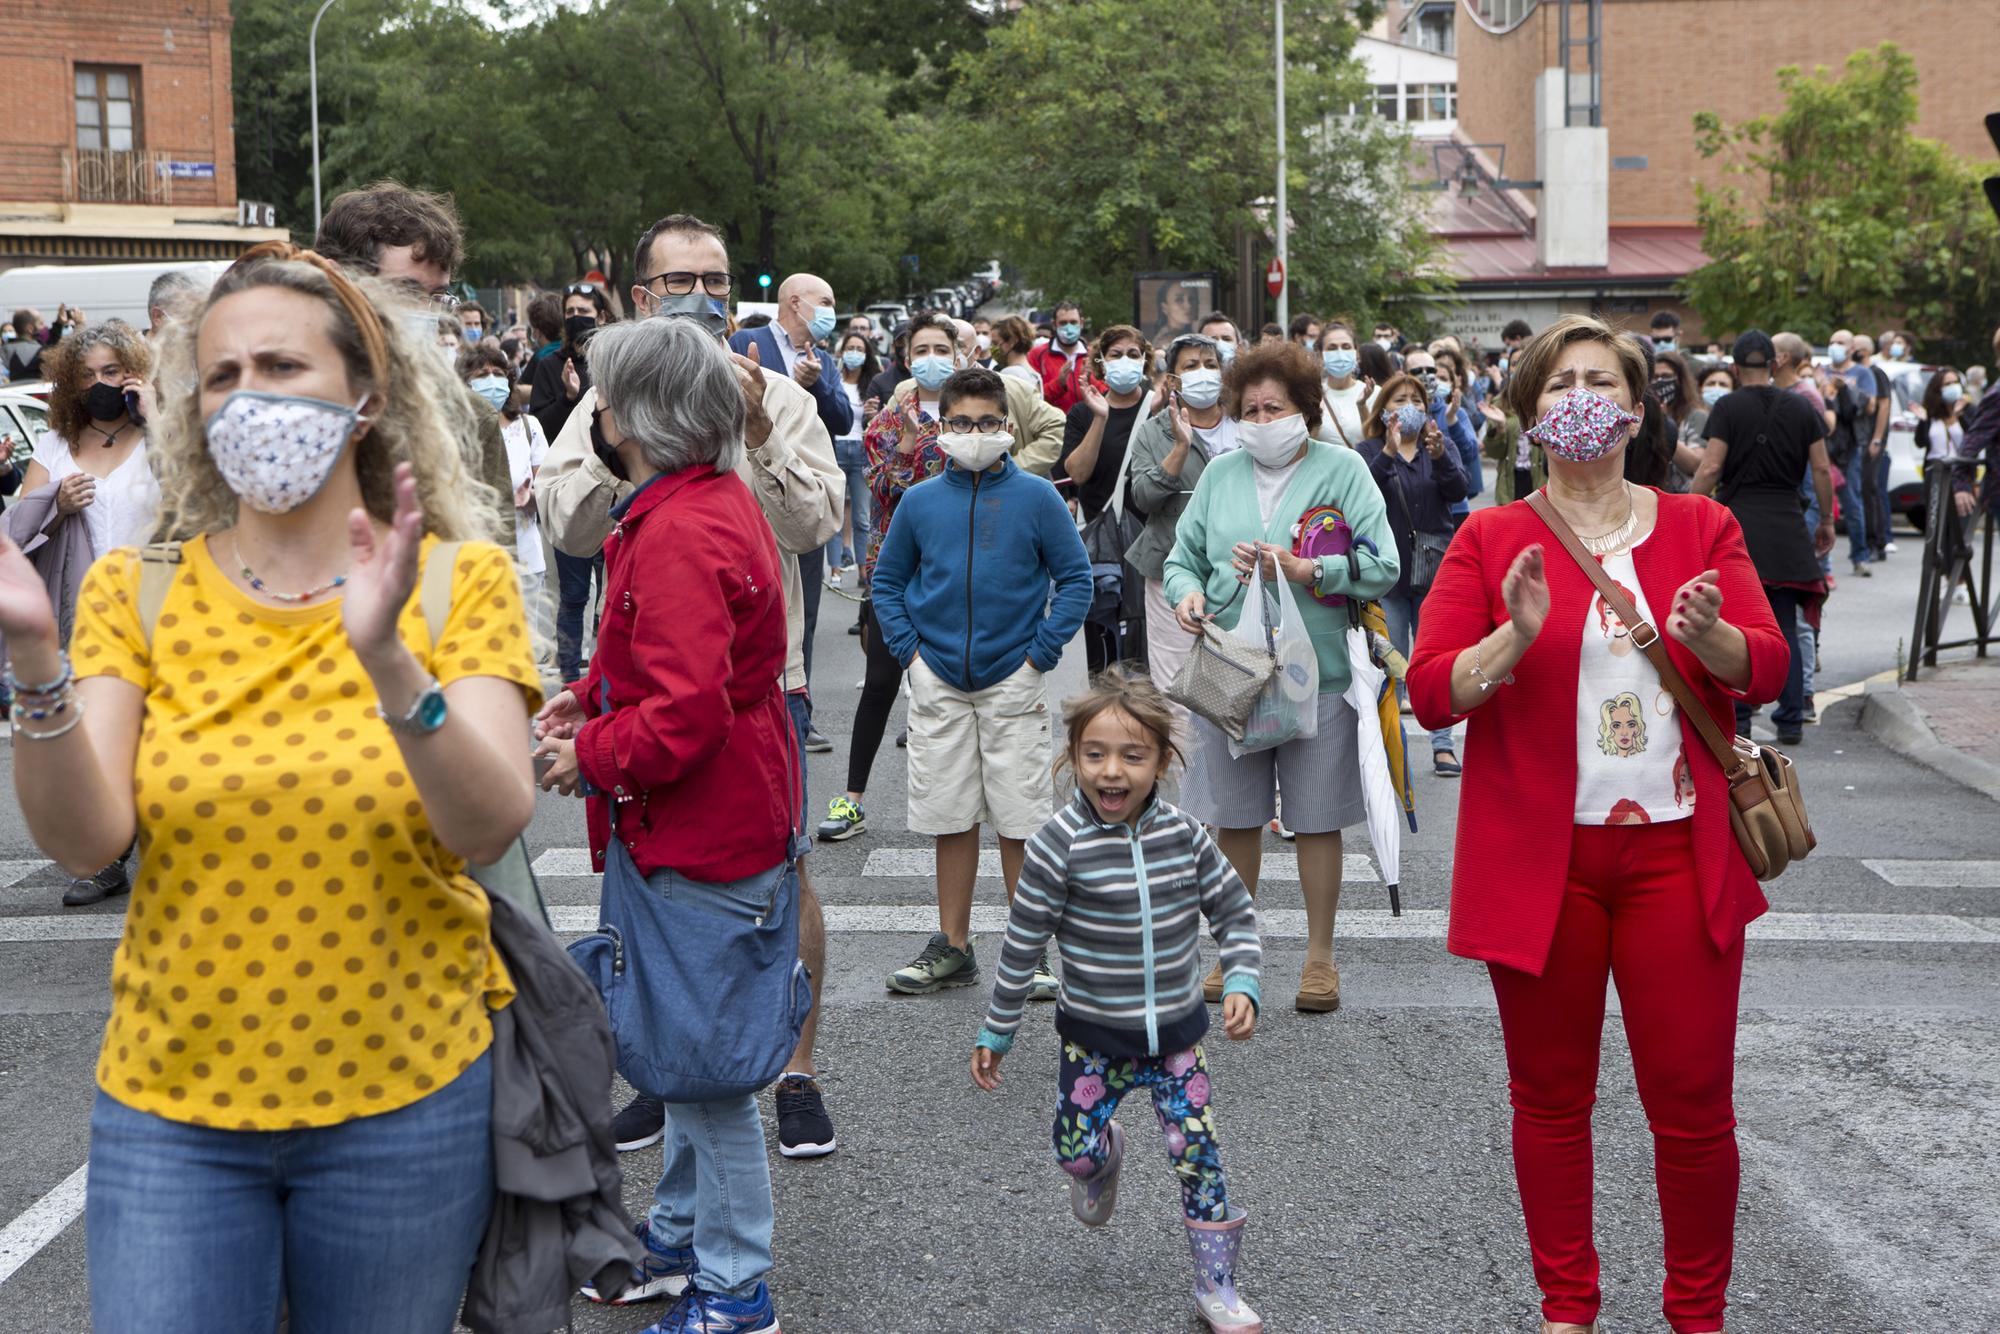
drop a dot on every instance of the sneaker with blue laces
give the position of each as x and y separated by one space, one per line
667 1271
700 1312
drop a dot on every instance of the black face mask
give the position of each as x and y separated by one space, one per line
104 402
607 453
576 328
1666 391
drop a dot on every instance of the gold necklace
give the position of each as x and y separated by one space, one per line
1604 544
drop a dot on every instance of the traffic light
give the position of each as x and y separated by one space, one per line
764 281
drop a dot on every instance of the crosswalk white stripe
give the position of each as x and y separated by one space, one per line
1939 874
1277 923
13 873
41 1223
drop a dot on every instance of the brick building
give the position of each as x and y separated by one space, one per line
1658 62
118 141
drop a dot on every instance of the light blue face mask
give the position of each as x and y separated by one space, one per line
1410 420
1714 394
1953 392
854 361
822 322
1069 332
1837 354
1440 393
931 372
1228 351
493 388
1124 374
1339 362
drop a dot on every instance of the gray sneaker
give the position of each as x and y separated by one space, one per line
940 965
1043 985
97 888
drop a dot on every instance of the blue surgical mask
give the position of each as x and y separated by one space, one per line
821 323
854 361
1340 362
1069 332
1837 354
1953 392
1410 420
1663 345
931 372
493 388
1228 351
1897 351
1714 394
1441 392
1124 374
1503 366
711 311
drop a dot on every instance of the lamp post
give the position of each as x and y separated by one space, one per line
1283 219
312 66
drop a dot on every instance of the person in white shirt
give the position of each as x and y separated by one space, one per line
1345 392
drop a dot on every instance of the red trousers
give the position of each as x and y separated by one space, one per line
1632 911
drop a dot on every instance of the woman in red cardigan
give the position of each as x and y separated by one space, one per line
1593 832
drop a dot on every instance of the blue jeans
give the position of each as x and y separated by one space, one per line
1853 506
1810 495
715 1191
367 1227
572 601
1791 707
852 457
1404 614
1878 472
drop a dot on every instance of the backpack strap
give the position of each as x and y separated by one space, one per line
156 575
434 588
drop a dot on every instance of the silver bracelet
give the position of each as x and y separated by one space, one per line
1486 682
75 717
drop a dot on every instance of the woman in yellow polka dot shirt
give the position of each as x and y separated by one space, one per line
294 1092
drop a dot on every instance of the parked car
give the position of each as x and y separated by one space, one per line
24 418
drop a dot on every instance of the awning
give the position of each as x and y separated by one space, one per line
1639 256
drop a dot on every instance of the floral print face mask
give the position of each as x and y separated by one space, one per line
277 450
1582 427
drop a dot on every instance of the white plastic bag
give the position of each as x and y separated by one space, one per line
1288 707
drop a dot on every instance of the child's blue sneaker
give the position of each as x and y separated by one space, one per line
665 1272
700 1312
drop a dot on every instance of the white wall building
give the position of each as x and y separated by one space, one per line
1413 87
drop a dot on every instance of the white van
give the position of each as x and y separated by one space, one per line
100 291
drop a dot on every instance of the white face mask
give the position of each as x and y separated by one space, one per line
972 451
1201 388
1273 444
276 451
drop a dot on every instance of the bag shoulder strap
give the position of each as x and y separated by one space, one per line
434 593
156 575
1645 635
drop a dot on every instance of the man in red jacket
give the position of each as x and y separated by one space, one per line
1064 361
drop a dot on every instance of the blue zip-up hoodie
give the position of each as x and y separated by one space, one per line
963 575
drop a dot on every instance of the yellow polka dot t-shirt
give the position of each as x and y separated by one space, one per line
299 950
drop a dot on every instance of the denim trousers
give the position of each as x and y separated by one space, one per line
1852 505
1790 711
852 457
573 575
366 1227
715 1191
1404 613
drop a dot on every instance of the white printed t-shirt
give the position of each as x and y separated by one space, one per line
1631 760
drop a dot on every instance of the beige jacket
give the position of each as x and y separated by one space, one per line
794 478
1038 427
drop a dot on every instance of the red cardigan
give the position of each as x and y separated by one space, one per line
1517 799
696 747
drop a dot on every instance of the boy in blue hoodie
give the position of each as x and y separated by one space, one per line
962 593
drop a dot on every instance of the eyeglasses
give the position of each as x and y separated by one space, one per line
580 289
974 426
680 283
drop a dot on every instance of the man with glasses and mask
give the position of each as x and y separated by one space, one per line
412 238
788 463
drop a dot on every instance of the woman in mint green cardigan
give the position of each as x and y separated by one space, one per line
1244 510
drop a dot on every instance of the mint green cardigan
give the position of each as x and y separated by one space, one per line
1223 511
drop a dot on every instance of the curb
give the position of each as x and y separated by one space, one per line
1892 718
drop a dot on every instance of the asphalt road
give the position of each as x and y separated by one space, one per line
1370 1146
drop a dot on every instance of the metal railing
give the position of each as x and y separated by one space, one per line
110 176
1950 564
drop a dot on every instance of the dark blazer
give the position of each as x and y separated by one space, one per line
828 396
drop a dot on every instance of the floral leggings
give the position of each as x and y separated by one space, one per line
1092 1085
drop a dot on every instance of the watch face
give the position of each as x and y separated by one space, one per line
430 710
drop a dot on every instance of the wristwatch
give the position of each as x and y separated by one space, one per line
426 715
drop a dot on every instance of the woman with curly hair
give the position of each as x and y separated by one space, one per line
294 1091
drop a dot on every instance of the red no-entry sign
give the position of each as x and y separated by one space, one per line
1274 277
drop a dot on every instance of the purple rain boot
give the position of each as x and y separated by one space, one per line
1093 1197
1214 1246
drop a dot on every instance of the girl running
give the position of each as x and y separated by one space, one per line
1117 878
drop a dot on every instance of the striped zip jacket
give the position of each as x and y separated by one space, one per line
1124 905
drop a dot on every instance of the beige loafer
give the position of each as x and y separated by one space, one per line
1319 989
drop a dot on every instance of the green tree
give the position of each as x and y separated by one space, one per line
1843 215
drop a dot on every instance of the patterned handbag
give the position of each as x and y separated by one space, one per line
1223 677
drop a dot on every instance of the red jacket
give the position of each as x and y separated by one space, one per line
1061 389
696 747
1518 797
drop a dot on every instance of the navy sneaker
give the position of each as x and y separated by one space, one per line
665 1272
804 1128
700 1312
641 1124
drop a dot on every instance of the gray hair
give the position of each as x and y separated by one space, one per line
175 292
672 389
